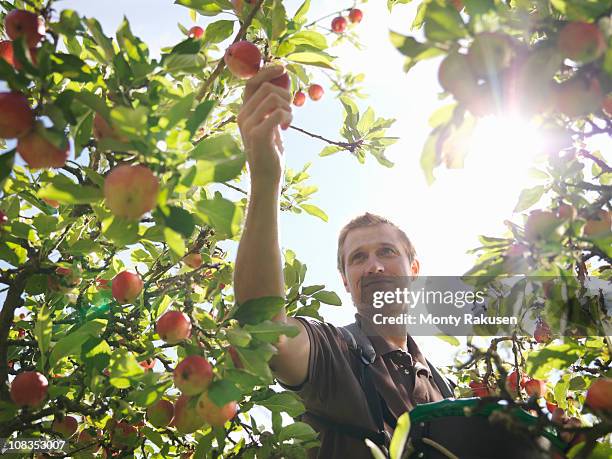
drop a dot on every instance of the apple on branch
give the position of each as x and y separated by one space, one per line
355 15
66 426
173 327
161 413
16 116
299 99
193 375
214 414
599 395
315 91
243 59
131 191
339 24
126 287
29 388
186 419
21 23
581 42
39 152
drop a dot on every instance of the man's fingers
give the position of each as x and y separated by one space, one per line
268 105
265 74
263 91
278 116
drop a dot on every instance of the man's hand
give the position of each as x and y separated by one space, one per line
265 107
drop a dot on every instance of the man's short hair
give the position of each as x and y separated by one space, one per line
369 219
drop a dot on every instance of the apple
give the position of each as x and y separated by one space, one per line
490 53
566 212
543 225
29 388
65 426
173 327
102 284
600 225
103 130
479 389
193 260
214 414
193 375
39 153
161 413
355 15
243 59
196 32
6 51
542 332
599 395
131 191
607 105
51 203
85 438
581 42
16 116
516 250
551 407
235 357
535 387
339 24
456 77
511 383
315 91
3 218
558 416
147 364
21 23
123 434
299 99
578 96
282 81
186 419
126 287
238 5
458 4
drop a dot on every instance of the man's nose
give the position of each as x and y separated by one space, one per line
375 266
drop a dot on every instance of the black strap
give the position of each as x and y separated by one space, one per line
347 429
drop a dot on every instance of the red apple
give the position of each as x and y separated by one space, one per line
39 153
3 218
102 284
21 23
578 96
542 333
186 419
479 389
607 105
490 53
51 203
599 395
299 99
535 387
355 15
131 191
29 388
147 364
65 426
160 414
456 77
581 42
85 438
193 375
511 383
600 225
315 91
243 59
551 407
339 24
103 130
213 414
126 287
566 212
173 327
542 226
196 32
282 81
16 116
193 260
458 4
123 434
6 51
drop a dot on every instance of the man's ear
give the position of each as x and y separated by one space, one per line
415 268
345 282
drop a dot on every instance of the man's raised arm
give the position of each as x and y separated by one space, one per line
258 270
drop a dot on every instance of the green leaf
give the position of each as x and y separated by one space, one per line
121 231
223 391
124 369
258 310
315 211
175 241
100 39
65 191
177 112
204 7
400 435
443 23
42 331
312 289
302 11
270 331
529 197
220 159
218 31
199 115
71 343
178 219
328 297
556 356
317 59
284 401
224 215
7 160
298 431
238 337
310 38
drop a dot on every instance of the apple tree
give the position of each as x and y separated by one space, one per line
120 177
550 64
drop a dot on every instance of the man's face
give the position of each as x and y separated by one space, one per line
371 254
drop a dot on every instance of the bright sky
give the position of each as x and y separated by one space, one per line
443 220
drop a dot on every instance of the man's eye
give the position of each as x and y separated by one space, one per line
357 256
387 250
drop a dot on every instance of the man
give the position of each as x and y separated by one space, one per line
319 363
